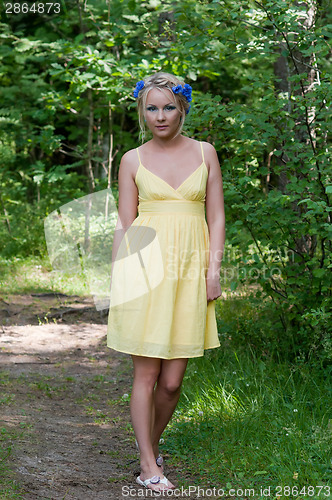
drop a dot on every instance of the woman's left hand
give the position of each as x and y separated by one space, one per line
213 288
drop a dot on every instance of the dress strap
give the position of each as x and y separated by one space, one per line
139 159
202 152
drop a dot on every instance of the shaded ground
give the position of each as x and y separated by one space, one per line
65 393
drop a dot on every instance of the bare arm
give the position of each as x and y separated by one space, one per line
128 200
215 215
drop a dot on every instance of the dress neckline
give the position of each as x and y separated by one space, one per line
165 182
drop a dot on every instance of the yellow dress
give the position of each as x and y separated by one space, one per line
158 305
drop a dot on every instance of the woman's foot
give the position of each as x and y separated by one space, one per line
154 472
154 483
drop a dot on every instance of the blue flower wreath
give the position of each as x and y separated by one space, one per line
185 91
177 89
139 86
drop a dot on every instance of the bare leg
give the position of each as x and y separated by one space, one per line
146 372
166 396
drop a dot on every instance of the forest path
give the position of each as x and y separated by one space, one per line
65 394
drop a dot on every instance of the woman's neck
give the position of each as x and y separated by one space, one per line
167 144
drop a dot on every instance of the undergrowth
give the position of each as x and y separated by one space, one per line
252 415
35 275
244 422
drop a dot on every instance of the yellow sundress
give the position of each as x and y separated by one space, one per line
158 305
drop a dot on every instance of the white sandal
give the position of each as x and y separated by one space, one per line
153 480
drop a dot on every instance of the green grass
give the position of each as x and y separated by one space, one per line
247 423
9 489
20 276
248 417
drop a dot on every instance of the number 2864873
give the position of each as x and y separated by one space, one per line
13 8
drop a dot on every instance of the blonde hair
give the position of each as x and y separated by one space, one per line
161 81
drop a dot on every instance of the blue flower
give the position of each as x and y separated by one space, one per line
139 86
187 92
177 89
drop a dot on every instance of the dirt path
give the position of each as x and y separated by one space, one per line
65 393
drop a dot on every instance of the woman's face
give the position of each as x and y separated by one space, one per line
161 114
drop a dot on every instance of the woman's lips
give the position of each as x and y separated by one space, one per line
161 127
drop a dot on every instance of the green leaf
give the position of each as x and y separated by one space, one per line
318 273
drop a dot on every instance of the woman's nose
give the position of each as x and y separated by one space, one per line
161 115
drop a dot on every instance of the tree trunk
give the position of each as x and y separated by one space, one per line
6 215
89 169
284 68
90 175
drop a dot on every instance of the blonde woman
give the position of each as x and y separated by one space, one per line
168 314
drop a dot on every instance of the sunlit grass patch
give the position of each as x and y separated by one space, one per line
32 274
247 422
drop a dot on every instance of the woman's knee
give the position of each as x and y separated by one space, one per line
171 375
171 386
146 378
146 373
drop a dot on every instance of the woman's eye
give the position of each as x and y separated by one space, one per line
166 108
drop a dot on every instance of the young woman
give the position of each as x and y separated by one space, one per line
165 262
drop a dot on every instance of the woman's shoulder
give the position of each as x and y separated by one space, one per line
207 147
129 156
130 159
129 163
133 154
209 152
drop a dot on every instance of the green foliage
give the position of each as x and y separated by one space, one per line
275 164
261 93
33 274
252 422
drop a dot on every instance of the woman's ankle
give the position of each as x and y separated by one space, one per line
155 447
150 468
147 460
